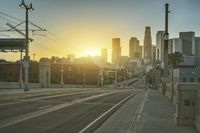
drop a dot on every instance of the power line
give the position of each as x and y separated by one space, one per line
57 39
18 20
7 20
10 16
45 47
62 42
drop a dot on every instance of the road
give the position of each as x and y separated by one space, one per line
69 112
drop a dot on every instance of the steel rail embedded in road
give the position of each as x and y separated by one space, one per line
45 97
17 119
94 124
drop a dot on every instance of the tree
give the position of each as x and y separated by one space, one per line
174 59
3 60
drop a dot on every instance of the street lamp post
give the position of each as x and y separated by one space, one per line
166 38
26 62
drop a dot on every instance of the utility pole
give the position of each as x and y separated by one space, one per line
101 72
166 38
20 73
27 58
116 78
84 85
62 72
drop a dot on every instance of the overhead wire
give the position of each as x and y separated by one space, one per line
1 12
45 47
56 38
63 42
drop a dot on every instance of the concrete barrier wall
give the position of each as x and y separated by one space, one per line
185 95
197 117
169 91
10 85
71 86
160 87
15 85
175 95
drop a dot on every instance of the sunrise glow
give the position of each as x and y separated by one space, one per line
91 52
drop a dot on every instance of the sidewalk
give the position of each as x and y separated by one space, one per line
154 115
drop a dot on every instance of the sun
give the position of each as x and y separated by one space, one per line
91 52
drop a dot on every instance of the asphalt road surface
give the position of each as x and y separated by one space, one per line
70 112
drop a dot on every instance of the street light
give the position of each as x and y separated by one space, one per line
26 62
166 39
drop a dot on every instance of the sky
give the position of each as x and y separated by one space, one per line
83 27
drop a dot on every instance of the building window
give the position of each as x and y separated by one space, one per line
184 79
191 80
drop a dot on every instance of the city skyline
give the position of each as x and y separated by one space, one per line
89 26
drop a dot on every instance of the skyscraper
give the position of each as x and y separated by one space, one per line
197 46
104 55
188 42
133 48
147 45
140 51
153 54
177 45
160 45
116 51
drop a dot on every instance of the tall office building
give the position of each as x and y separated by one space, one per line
140 51
104 55
153 54
116 51
170 46
160 46
188 42
197 46
147 46
133 48
177 45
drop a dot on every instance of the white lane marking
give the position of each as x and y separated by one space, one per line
75 99
43 107
93 122
40 98
17 119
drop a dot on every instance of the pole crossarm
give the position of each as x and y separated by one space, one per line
11 26
14 27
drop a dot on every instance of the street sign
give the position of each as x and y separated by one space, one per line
12 44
